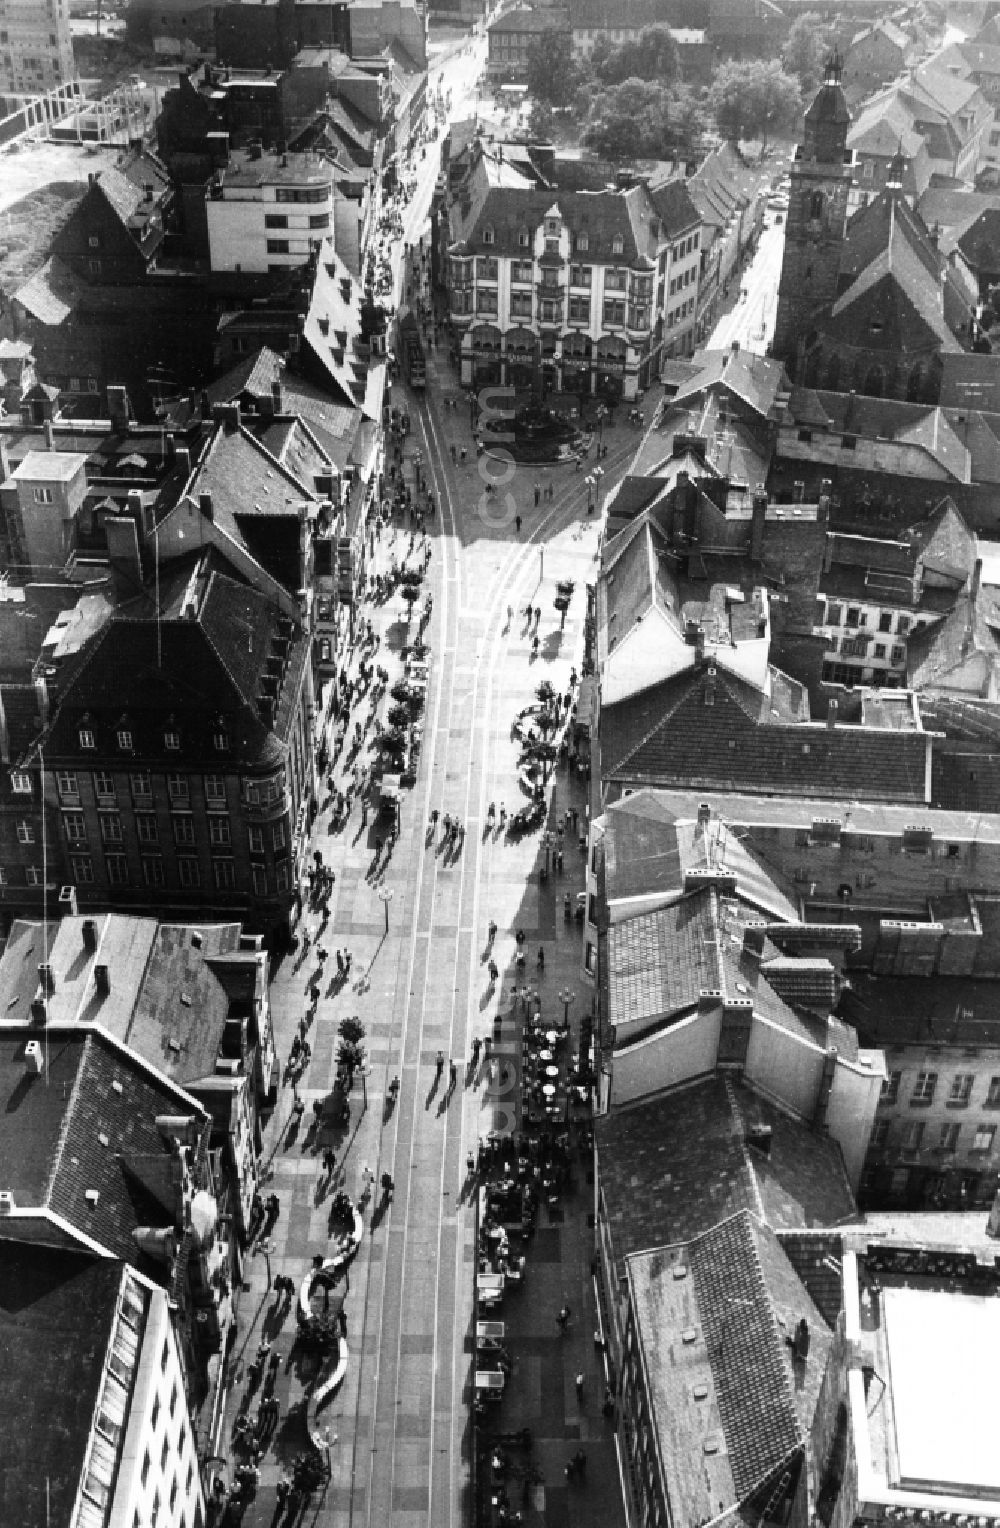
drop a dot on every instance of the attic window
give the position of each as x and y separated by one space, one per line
488 236
171 741
91 1195
876 327
583 241
87 739
196 940
617 244
124 740
522 238
220 740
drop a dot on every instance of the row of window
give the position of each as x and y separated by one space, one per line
551 311
148 830
925 1088
125 739
522 273
255 792
280 220
685 278
678 315
914 1135
581 240
857 647
116 867
854 615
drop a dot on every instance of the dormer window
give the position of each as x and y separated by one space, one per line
582 241
522 238
87 738
617 245
20 782
488 236
171 740
220 739
124 737
552 227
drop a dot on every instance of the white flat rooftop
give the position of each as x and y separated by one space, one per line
944 1349
49 466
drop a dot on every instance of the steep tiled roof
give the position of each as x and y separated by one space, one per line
544 20
88 1124
181 1008
254 375
122 195
756 379
980 241
672 1166
968 639
732 744
672 200
51 294
899 288
817 1257
659 962
761 1427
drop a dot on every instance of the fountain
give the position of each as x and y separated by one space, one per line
535 435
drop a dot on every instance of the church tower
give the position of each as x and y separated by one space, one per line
820 176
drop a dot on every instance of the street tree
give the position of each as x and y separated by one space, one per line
641 119
806 50
754 99
652 55
553 74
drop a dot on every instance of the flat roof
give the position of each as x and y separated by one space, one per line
943 1389
54 466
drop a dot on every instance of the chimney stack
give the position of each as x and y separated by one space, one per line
758 526
831 713
206 506
704 815
710 685
50 435
753 939
118 408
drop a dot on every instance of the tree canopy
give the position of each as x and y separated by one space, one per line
806 50
553 74
642 119
652 55
753 99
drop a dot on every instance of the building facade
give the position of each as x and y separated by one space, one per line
36 50
267 212
572 291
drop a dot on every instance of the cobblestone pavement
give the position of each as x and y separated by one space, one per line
399 1427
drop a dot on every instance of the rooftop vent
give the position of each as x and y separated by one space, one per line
689 1335
700 1392
34 1058
89 934
91 1195
102 979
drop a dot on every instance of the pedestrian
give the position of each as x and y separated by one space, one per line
517 524
439 1063
503 815
476 1045
538 494
579 1388
452 1074
541 958
563 1318
378 848
492 930
494 972
470 1165
340 964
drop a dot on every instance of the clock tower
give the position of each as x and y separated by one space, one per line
820 176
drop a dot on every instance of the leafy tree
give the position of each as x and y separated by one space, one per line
642 119
540 753
542 121
652 55
351 1030
410 593
553 74
752 99
807 48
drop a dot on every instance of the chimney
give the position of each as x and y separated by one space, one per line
147 191
158 1242
50 435
831 713
977 576
4 462
704 815
42 700
46 980
179 1127
699 644
182 461
123 554
759 1137
67 902
753 939
118 408
34 1058
735 347
206 506
758 526
89 934
710 685
277 400
134 502
102 979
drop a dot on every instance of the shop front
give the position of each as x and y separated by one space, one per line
609 369
486 343
520 358
577 361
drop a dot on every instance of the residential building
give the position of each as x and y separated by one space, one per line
26 876
96 1419
881 137
551 277
36 49
190 1000
875 56
266 211
154 1197
934 1140
511 38
43 502
265 35
115 233
951 114
978 61
177 798
741 27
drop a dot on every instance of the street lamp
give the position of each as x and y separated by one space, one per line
385 896
566 997
589 481
598 474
